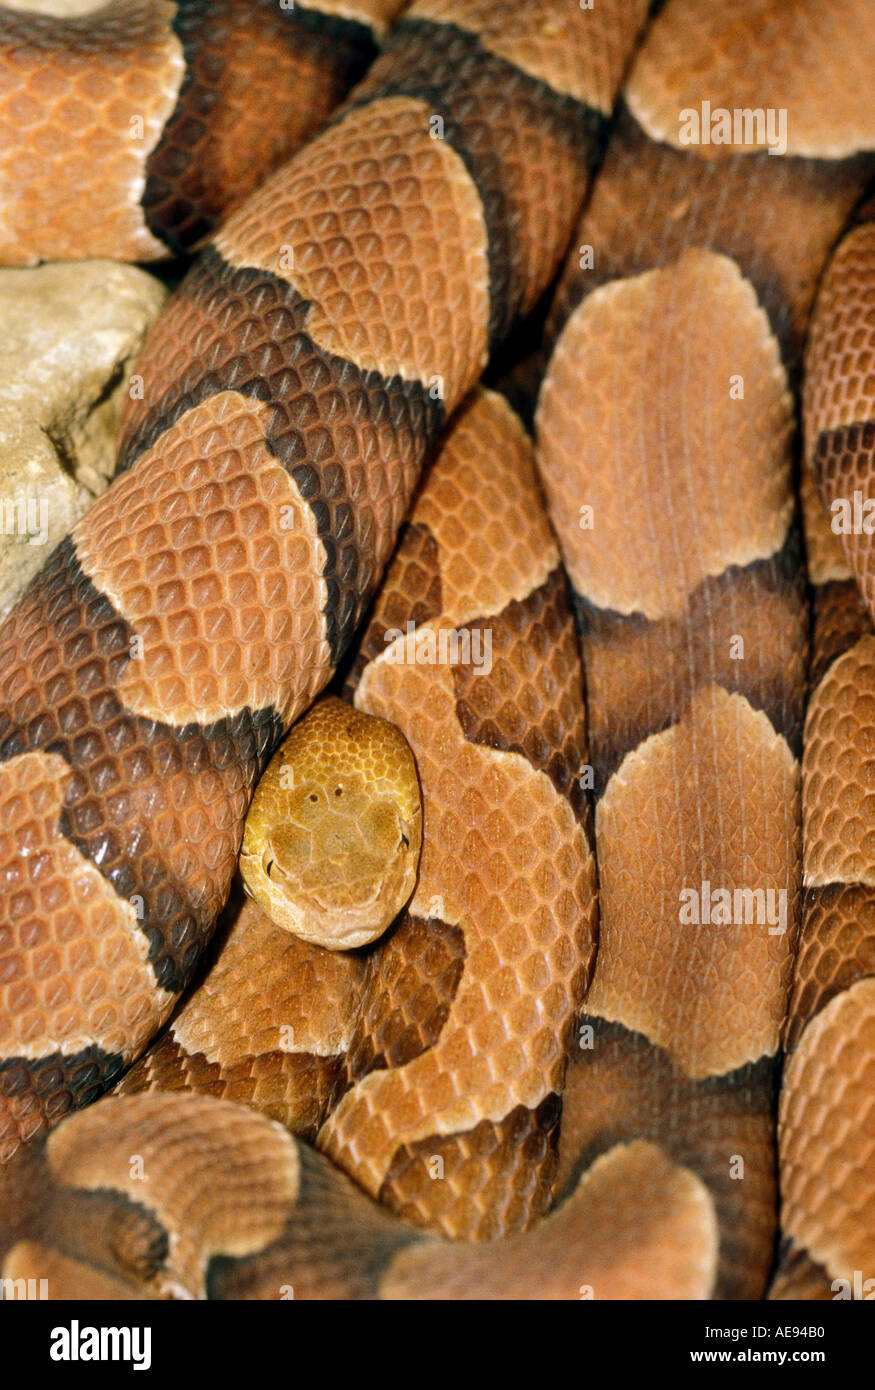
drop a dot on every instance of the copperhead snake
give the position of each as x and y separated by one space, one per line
563 1073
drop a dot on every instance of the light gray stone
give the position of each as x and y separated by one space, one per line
68 335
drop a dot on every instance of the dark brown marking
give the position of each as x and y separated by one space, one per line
293 1088
624 1087
187 174
63 652
412 983
777 218
415 596
244 330
458 79
839 621
104 1229
641 674
58 1083
531 701
337 1241
497 1178
844 458
836 948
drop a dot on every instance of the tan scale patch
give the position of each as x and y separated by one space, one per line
497 1178
823 549
270 992
504 858
530 701
293 1088
623 1088
640 676
197 1156
207 550
636 408
836 948
65 1276
844 465
73 960
407 1000
410 592
104 98
840 620
839 384
637 1226
811 59
711 995
380 228
838 802
777 218
839 390
826 1133
494 539
580 53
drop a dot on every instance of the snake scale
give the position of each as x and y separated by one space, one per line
620 1041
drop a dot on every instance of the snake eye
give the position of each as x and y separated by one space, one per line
404 840
268 869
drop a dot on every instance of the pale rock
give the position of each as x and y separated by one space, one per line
61 8
68 334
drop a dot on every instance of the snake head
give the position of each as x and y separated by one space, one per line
331 844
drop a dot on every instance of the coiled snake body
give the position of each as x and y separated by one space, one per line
291 393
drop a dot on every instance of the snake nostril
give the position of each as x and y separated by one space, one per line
404 840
